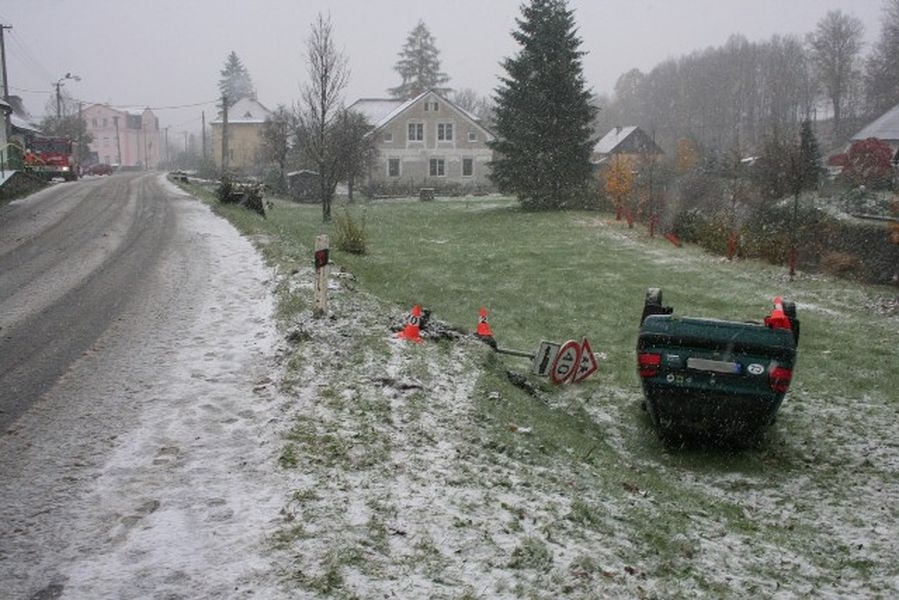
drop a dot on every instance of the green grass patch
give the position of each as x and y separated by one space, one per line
666 511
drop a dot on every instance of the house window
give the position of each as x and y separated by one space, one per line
444 132
94 121
393 167
416 132
472 136
438 168
467 167
388 136
431 106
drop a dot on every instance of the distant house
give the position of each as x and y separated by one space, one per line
426 142
122 138
624 142
21 123
246 119
885 128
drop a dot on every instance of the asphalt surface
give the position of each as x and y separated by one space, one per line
137 370
73 258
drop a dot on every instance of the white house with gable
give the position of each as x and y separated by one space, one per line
426 142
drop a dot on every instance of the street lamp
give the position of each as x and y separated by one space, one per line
59 83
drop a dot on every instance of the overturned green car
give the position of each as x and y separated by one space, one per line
712 379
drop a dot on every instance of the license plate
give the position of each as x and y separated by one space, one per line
715 366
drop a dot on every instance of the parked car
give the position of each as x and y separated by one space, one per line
99 169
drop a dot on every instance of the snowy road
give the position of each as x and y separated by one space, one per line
144 468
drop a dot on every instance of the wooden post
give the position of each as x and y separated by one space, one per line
320 307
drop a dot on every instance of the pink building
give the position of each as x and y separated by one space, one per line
121 138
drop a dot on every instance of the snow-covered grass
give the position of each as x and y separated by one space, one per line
420 471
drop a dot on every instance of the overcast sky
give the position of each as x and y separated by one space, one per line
169 53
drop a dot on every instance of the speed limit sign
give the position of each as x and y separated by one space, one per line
566 363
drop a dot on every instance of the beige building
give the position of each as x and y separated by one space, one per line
122 138
426 142
245 120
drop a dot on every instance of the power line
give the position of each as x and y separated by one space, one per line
21 52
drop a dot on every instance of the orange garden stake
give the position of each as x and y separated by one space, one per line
411 331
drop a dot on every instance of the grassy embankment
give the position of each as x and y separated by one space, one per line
813 509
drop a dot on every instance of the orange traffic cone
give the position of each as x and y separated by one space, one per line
778 319
411 331
483 331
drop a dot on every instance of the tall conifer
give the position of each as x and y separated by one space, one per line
419 65
543 115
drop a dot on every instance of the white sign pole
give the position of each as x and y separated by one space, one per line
320 307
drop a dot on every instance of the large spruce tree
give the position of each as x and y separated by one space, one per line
543 113
235 82
419 65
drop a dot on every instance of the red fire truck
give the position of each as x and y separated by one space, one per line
49 157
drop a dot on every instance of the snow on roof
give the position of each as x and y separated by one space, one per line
612 139
20 123
375 109
246 110
885 127
380 111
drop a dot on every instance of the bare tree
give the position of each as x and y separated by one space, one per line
320 104
835 47
356 146
276 134
882 68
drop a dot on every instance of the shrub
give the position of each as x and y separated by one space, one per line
247 195
350 234
868 163
840 263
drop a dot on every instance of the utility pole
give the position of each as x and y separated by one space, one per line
203 115
80 150
118 145
167 147
59 83
3 62
224 134
6 118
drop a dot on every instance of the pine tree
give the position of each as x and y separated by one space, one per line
419 65
235 82
809 157
543 115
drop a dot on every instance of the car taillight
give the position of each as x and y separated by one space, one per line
648 363
779 379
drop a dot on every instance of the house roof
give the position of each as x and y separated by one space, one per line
885 127
626 140
20 118
375 109
246 110
380 111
